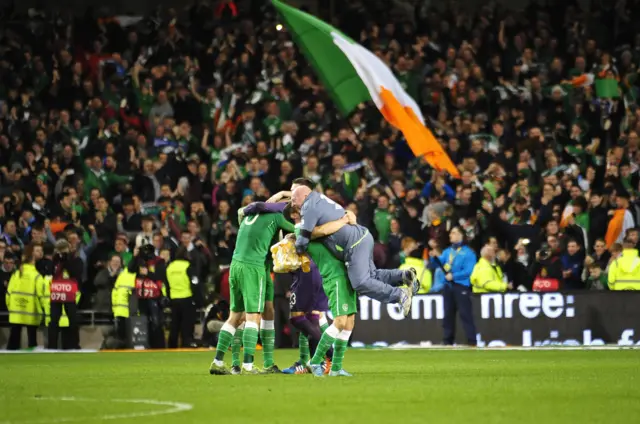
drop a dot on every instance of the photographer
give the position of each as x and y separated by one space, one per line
547 269
518 266
61 293
150 290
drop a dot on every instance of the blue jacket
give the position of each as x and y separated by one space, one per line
461 262
438 280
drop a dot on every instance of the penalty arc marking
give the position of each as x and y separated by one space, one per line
172 408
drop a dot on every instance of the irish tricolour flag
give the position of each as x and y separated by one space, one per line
353 75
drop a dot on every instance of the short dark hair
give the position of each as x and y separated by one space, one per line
573 240
581 202
304 182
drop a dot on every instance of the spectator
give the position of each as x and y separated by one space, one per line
382 219
104 283
572 265
457 263
146 235
597 279
6 270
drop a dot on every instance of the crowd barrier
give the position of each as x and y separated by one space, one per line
510 319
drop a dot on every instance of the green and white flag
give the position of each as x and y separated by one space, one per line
352 75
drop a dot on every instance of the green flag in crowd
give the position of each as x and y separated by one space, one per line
607 88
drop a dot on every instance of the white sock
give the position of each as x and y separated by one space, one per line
344 335
251 324
218 362
267 325
241 326
323 320
247 367
333 331
228 328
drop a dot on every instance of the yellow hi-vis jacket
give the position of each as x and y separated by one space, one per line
178 279
21 297
44 294
424 275
624 272
487 278
122 289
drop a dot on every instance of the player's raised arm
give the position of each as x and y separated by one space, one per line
279 197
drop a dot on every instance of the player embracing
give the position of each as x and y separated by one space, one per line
353 245
343 306
308 299
248 287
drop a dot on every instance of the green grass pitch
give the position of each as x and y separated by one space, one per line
414 386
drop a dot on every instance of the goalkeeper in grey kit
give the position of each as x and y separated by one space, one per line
353 244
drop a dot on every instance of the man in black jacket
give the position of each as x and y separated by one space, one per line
6 269
104 282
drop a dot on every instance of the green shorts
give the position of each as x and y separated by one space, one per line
269 285
247 287
342 298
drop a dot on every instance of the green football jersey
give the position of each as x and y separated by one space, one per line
255 235
330 267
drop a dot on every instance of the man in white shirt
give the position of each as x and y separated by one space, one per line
146 236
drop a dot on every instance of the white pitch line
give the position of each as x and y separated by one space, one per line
175 407
510 348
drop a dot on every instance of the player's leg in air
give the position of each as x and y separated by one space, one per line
267 328
247 287
379 284
343 304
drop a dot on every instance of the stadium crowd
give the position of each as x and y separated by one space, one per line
117 133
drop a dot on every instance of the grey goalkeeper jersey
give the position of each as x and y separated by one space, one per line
318 209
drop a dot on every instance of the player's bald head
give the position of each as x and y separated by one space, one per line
299 195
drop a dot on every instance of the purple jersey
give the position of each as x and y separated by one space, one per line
307 293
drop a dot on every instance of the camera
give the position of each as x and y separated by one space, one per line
147 252
544 252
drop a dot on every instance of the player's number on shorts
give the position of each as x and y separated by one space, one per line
331 202
292 300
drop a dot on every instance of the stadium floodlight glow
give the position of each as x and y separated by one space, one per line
279 27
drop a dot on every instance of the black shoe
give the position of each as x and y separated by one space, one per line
273 369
